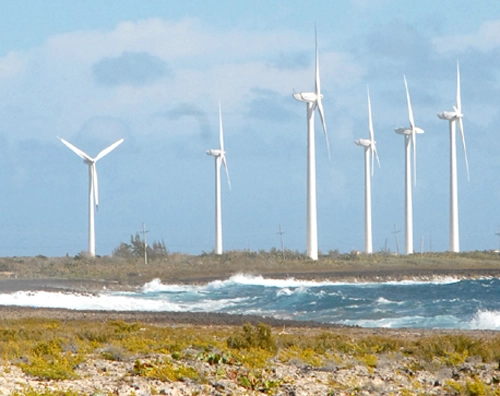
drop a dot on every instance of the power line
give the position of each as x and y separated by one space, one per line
281 232
396 232
144 231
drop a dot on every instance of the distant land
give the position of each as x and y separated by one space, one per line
114 272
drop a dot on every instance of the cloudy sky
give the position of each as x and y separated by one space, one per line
153 73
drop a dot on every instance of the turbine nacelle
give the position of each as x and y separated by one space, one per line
450 115
364 142
308 97
408 131
215 152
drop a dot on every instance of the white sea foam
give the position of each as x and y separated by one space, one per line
435 280
486 320
43 299
114 302
384 301
258 280
284 292
434 322
156 286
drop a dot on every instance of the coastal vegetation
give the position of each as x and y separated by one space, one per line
48 354
127 267
64 357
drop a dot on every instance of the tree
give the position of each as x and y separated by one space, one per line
136 248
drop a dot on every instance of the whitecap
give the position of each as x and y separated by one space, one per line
156 286
486 320
77 301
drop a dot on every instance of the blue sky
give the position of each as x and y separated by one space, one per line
153 72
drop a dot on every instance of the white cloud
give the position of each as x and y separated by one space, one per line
57 79
12 65
485 39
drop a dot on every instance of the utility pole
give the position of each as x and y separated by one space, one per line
395 232
281 232
144 231
498 233
422 244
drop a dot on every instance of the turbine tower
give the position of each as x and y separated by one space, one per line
313 101
93 187
220 158
453 117
410 141
370 152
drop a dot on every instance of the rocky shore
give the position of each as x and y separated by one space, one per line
391 377
367 362
213 372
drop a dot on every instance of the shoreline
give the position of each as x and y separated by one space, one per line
360 365
351 275
98 286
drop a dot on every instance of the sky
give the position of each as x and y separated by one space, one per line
153 73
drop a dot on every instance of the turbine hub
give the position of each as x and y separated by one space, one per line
308 97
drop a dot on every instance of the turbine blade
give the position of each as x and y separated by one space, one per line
370 122
317 82
76 150
221 131
461 127
319 104
414 144
227 171
376 154
410 111
372 158
95 183
459 96
108 149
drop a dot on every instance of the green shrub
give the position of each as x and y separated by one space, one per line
259 336
61 367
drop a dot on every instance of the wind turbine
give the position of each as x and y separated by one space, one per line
93 185
453 117
313 101
370 152
410 140
220 158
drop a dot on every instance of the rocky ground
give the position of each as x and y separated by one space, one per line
391 375
201 374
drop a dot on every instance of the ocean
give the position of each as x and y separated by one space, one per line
445 303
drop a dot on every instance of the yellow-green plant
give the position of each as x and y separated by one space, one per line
259 336
164 371
45 392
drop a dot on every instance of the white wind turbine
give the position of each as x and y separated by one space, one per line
220 158
453 117
410 140
370 153
93 187
313 100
